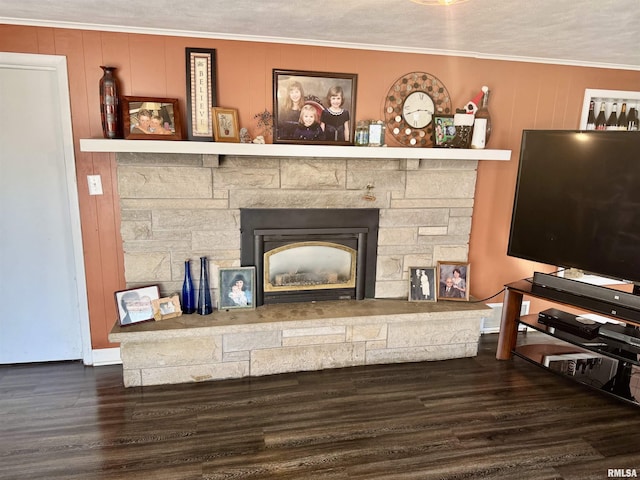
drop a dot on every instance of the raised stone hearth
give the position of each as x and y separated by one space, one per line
179 206
295 337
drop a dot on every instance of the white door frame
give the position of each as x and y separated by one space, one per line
58 64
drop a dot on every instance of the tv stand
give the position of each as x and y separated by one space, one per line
618 367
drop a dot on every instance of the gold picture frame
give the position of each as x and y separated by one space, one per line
225 124
166 307
453 281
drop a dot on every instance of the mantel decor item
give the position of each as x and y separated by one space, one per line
225 125
409 107
444 131
376 133
151 118
188 293
166 308
453 281
109 111
314 108
422 284
205 307
236 288
201 92
136 305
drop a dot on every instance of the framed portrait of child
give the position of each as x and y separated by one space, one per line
236 288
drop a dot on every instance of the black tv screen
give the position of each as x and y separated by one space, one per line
577 201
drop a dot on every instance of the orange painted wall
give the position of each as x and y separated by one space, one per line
524 95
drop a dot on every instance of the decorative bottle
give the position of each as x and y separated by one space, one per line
205 306
612 121
188 293
591 119
482 122
601 120
483 112
632 120
622 118
109 103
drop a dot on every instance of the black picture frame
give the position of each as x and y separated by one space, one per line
315 89
423 286
135 305
444 130
201 92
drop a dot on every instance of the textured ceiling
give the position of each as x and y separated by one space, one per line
585 32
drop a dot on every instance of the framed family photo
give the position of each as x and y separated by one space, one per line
236 288
422 284
453 281
151 118
201 92
136 304
225 125
166 307
314 107
444 130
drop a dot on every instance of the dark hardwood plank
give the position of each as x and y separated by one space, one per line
475 418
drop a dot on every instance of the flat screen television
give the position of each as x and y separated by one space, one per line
577 201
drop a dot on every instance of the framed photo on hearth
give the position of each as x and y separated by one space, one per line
236 288
453 281
315 108
422 284
166 307
136 304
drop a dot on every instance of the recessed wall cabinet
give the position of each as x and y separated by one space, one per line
608 97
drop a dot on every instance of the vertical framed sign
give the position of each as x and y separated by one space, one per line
201 93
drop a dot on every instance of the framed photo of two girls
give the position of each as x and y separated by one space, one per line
314 107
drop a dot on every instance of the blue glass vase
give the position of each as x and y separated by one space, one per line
188 293
205 307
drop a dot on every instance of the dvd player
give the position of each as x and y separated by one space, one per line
567 322
623 333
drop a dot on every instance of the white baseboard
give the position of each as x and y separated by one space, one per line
106 356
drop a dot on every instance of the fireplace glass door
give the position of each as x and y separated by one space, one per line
309 266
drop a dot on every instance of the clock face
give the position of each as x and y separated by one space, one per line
417 110
409 107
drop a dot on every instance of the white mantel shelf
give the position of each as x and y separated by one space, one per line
285 150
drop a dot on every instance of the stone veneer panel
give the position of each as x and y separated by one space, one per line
277 338
176 207
186 206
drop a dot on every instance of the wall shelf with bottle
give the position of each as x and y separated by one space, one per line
606 103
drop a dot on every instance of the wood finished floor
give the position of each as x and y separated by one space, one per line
459 419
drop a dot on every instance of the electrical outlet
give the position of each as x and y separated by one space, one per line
95 184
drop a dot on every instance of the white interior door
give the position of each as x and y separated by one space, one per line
42 280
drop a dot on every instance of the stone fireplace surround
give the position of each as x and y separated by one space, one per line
179 206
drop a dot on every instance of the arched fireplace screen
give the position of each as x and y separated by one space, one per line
309 266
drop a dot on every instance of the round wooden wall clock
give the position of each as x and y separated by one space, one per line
409 107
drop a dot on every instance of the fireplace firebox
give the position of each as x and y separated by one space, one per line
305 255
